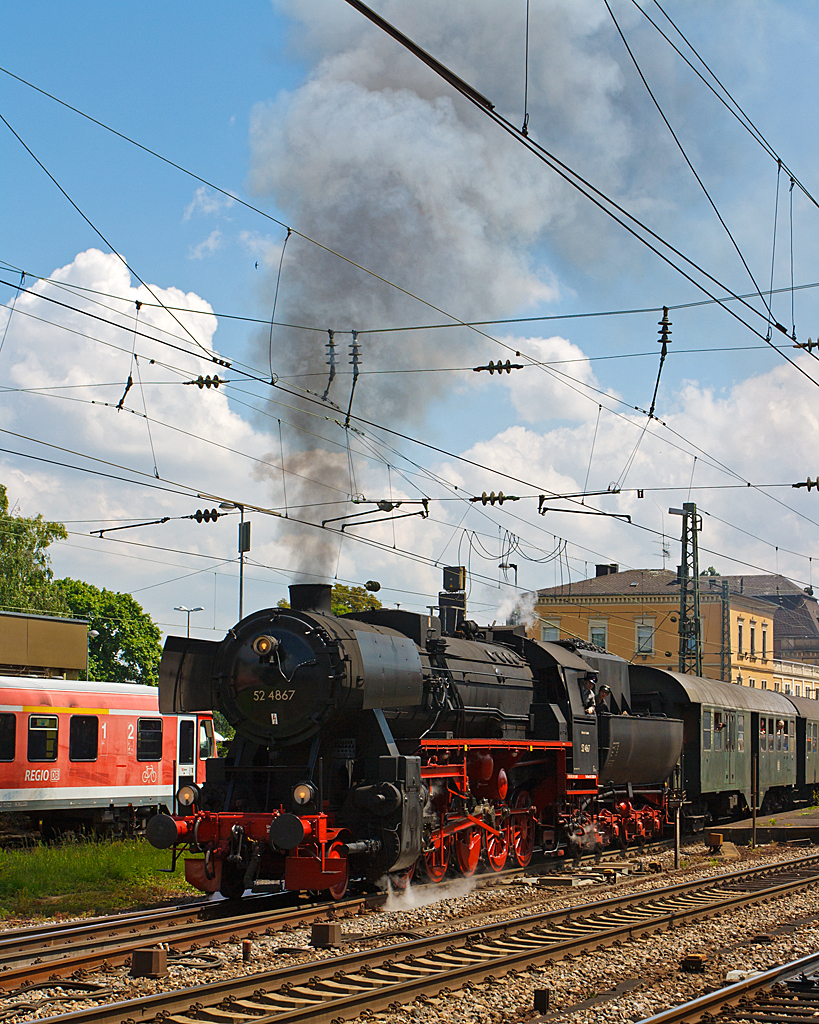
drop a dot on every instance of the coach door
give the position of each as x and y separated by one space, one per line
730 749
186 751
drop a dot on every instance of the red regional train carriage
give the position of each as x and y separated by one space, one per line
94 755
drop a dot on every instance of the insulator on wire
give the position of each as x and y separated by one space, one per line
665 328
206 382
492 498
209 515
808 483
499 366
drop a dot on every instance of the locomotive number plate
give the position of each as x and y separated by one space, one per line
274 694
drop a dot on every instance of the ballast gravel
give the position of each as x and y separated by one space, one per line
652 963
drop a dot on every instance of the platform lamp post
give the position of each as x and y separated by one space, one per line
244 545
188 612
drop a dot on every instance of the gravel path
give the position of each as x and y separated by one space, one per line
651 963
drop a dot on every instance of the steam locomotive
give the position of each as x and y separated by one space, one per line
382 742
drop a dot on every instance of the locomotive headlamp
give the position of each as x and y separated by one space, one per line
187 795
263 645
304 793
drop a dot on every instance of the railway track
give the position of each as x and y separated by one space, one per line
786 994
42 953
385 977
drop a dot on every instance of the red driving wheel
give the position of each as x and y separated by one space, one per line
523 829
468 850
497 846
436 858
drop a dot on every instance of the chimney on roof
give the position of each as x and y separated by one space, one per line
607 570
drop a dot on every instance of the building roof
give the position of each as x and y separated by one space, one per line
633 582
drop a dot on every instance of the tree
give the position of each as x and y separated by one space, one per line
26 576
710 571
346 599
126 649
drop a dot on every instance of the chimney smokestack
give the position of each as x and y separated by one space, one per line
311 597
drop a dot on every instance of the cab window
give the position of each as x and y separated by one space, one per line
149 739
186 730
207 744
83 733
42 737
8 737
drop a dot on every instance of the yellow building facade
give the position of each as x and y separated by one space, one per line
635 614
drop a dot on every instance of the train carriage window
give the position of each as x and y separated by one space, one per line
149 739
763 735
815 737
706 730
42 737
719 726
207 743
807 739
770 734
740 732
186 730
779 725
8 737
785 735
83 736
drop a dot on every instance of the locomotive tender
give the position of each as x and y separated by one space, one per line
374 742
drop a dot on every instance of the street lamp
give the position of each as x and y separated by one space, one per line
188 612
244 545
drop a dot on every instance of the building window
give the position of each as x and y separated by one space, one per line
776 687
598 632
149 739
788 689
752 683
764 684
739 638
753 640
808 692
82 738
797 690
550 630
764 641
644 636
42 738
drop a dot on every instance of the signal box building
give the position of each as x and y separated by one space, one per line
635 614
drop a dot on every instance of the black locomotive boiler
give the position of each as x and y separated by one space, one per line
376 743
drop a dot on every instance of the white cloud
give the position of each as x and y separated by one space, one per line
206 202
206 247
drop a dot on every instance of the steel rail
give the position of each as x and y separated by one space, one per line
740 993
387 976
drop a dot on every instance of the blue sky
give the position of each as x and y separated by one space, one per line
307 112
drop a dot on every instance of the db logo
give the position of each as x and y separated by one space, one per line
149 775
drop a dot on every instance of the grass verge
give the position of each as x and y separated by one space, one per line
86 877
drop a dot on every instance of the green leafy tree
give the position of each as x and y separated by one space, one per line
352 599
26 576
710 571
346 599
126 649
